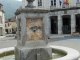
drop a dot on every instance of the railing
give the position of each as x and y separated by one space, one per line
77 4
65 6
52 7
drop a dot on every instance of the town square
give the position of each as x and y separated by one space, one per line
40 30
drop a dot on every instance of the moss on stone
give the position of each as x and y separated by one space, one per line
6 53
59 52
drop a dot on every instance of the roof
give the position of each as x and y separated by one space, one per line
12 19
1 4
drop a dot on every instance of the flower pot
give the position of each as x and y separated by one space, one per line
75 33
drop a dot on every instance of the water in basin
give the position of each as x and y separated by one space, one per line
12 57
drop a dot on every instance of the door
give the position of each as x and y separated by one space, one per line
77 24
34 29
0 31
66 26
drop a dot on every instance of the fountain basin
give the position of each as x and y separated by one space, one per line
72 54
69 53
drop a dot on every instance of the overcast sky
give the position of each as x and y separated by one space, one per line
19 0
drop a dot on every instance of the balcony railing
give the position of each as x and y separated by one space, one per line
78 4
52 7
65 6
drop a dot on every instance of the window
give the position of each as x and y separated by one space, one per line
9 30
8 24
5 25
0 19
53 2
77 1
39 2
0 8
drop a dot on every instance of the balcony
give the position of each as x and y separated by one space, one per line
65 6
52 7
78 4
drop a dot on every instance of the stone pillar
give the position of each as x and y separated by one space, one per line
59 24
18 32
48 25
23 29
17 29
73 23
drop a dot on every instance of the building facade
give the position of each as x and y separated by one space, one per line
63 19
10 25
2 21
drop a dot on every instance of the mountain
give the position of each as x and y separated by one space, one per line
10 7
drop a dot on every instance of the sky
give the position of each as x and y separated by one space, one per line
10 7
19 0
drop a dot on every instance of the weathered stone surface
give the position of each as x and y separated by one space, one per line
29 10
32 55
45 21
33 50
34 29
23 53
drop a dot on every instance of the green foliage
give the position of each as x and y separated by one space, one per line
10 7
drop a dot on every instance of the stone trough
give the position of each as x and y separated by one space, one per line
72 54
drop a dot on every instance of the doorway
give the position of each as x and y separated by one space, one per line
54 25
6 31
0 31
78 23
66 28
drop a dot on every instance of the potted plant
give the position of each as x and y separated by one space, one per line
75 33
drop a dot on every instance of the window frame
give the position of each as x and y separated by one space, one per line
53 2
39 3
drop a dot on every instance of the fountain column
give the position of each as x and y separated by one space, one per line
33 42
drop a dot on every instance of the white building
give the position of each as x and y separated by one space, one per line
49 4
64 19
2 21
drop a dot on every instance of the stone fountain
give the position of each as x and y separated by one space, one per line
32 43
32 39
